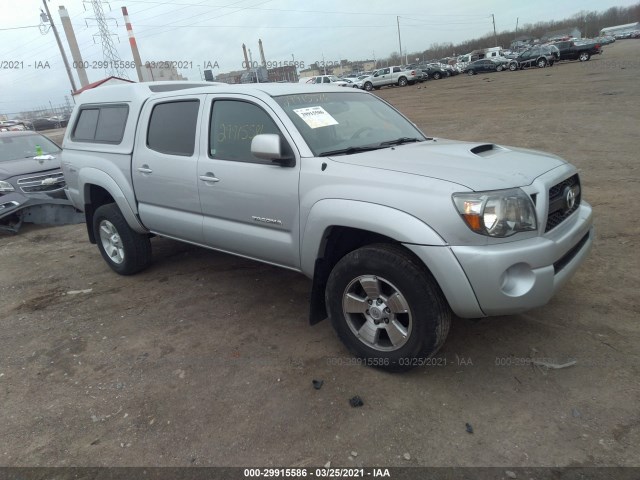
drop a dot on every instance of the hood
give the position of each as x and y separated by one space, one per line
25 166
477 166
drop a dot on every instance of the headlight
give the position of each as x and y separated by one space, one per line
6 187
499 213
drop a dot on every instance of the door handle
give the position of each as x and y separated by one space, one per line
209 177
145 169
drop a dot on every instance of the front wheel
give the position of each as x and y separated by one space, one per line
471 73
368 86
499 68
386 307
125 251
437 76
584 56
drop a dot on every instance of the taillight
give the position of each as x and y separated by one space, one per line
413 72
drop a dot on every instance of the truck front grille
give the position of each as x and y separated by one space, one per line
42 183
560 206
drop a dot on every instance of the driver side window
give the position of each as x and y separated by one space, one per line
233 125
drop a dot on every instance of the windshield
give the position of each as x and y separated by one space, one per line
14 147
331 122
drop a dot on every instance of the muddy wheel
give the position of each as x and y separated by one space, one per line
386 307
125 251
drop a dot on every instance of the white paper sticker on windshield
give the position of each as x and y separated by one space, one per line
315 117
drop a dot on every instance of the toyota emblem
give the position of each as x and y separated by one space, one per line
569 198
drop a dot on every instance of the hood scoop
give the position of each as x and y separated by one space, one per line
486 149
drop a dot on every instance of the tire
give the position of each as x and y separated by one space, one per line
368 86
513 67
395 282
125 251
437 76
471 73
541 63
584 56
499 68
402 82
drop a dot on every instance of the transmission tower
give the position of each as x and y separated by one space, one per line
113 63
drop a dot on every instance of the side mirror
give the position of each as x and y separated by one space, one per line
268 146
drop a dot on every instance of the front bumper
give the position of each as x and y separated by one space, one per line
512 277
16 208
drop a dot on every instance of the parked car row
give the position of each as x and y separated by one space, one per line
34 124
493 59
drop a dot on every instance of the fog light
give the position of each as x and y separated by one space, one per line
517 280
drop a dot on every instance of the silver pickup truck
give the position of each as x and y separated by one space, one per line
390 76
398 230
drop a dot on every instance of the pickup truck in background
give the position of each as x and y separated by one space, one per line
390 76
396 229
570 50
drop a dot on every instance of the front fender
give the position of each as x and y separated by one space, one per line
92 176
372 217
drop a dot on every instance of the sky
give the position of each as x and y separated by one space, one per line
201 33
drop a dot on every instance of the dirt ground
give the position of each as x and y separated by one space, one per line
207 359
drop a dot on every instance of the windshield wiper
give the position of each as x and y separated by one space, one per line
350 150
400 141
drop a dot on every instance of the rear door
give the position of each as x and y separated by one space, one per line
250 205
164 167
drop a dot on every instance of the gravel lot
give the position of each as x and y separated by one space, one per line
207 359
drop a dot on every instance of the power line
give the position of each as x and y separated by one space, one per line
19 28
109 51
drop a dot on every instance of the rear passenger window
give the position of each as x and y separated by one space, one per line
172 127
104 124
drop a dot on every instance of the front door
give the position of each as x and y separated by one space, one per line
250 205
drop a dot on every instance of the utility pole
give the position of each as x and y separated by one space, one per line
399 41
517 20
64 56
495 35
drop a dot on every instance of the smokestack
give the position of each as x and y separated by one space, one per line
73 46
264 62
134 46
246 58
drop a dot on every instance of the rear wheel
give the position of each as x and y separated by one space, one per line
513 66
125 251
584 56
437 76
386 307
542 62
402 82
